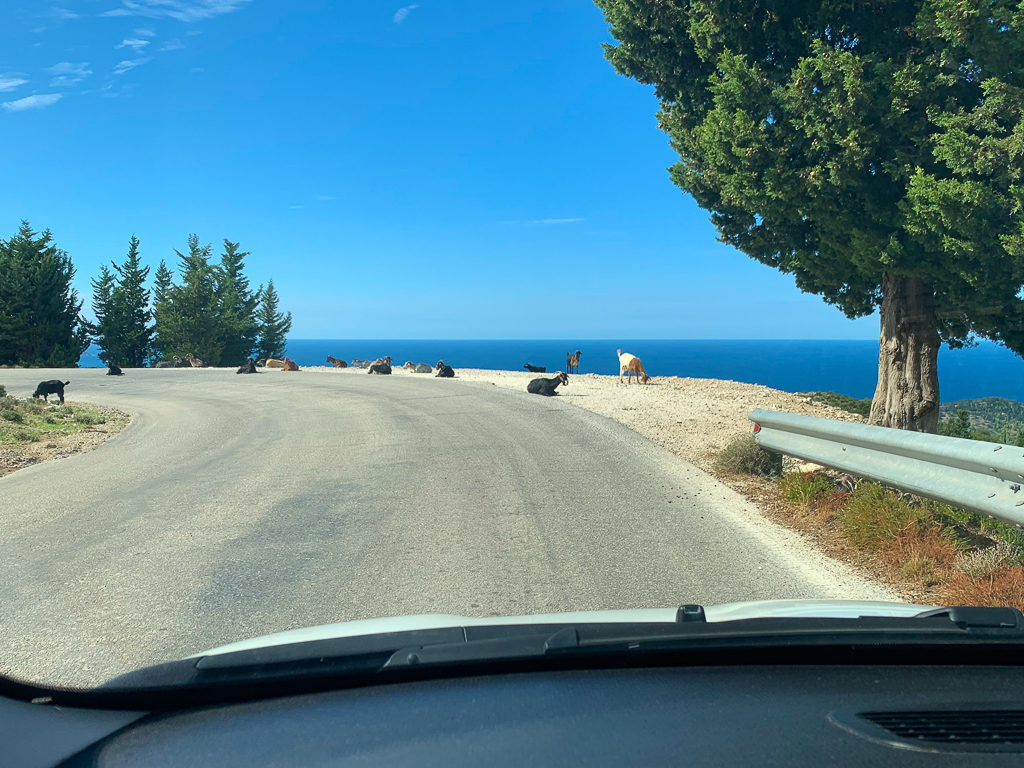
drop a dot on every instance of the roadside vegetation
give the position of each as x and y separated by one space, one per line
29 420
842 402
929 551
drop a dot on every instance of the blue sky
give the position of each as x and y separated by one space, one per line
448 169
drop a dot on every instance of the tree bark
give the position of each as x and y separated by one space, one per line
907 395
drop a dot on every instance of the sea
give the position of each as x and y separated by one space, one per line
846 367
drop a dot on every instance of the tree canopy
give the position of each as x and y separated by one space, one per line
843 143
40 322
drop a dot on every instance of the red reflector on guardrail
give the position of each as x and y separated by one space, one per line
757 428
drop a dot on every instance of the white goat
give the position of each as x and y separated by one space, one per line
624 358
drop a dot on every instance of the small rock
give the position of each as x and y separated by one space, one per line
51 445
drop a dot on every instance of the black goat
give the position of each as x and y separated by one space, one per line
113 370
51 387
249 366
535 368
547 387
444 371
381 369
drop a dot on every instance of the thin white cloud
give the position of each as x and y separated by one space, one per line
37 101
64 14
66 73
324 198
135 43
182 10
556 221
172 45
11 81
296 207
144 32
403 13
127 65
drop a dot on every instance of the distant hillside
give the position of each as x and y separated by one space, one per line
986 412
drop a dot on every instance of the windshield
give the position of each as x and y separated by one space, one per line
354 311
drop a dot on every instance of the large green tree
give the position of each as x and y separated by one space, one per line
274 325
237 305
162 282
40 321
188 317
121 305
873 150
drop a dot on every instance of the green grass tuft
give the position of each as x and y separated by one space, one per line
805 488
744 456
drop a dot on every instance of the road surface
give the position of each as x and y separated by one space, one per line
235 506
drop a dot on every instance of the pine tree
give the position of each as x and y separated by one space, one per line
104 330
132 301
162 283
189 319
274 326
237 306
40 322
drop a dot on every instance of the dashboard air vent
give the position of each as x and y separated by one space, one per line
988 726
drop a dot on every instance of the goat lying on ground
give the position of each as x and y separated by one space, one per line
248 367
275 363
535 368
444 371
51 387
572 362
336 362
172 363
194 361
113 370
357 363
547 387
418 367
635 366
289 365
381 369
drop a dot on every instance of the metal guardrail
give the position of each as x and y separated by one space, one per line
983 477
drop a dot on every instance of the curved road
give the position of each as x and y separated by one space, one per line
236 506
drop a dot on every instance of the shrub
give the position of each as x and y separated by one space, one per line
89 418
983 562
806 488
842 402
9 414
3 391
744 456
1002 587
876 515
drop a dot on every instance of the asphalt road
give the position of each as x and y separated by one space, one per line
236 506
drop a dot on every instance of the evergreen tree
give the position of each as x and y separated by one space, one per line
40 322
237 306
274 326
132 301
105 329
871 150
189 317
162 284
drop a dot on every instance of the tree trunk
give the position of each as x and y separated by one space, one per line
907 395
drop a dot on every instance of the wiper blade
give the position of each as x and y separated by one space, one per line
512 647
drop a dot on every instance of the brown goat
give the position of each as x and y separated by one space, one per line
336 362
289 365
635 366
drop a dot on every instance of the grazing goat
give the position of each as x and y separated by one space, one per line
535 368
547 387
51 387
382 368
113 370
194 361
418 367
248 367
289 365
275 363
572 362
444 371
336 362
636 367
624 358
172 363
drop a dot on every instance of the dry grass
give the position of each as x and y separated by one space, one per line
743 456
927 551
